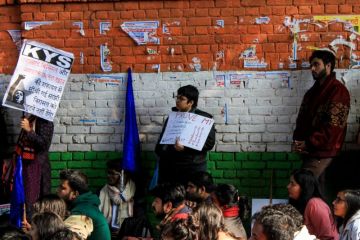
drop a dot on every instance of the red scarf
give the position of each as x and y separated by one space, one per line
230 211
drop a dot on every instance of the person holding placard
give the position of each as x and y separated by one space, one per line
177 162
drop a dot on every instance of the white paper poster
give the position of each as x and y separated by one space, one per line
142 32
191 129
39 79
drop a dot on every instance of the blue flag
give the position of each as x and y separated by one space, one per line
131 147
17 196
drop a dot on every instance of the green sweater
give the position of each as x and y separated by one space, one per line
88 204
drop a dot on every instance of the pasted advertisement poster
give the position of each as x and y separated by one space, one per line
142 32
39 79
191 129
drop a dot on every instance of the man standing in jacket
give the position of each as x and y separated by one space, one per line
321 123
178 162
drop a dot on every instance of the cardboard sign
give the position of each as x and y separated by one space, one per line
191 129
39 79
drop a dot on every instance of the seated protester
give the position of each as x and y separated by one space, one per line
272 224
305 196
74 190
226 197
347 207
44 225
169 203
138 227
199 188
117 196
181 229
9 232
209 222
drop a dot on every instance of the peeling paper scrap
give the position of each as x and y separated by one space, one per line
220 23
292 65
341 41
254 63
104 27
294 52
250 52
262 20
142 32
220 80
305 64
151 51
32 25
16 37
80 25
196 65
351 22
104 60
81 58
165 29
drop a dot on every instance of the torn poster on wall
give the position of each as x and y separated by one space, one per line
104 27
107 79
142 32
254 63
80 25
16 37
32 25
262 20
104 58
351 22
39 79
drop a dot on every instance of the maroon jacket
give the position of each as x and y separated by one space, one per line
321 122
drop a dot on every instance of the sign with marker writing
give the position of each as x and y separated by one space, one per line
39 79
191 129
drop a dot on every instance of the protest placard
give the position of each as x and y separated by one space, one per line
39 79
191 129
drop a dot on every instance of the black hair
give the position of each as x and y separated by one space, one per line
47 224
174 193
325 56
180 229
114 164
77 180
352 199
309 186
64 234
190 92
11 232
203 179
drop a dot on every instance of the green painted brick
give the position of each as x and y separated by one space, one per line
279 165
79 164
115 155
225 165
78 156
259 192
99 164
54 156
210 165
151 156
55 173
90 156
296 165
58 165
253 182
55 182
217 173
237 165
230 174
294 157
254 173
281 192
282 174
96 182
242 173
214 156
253 165
241 156
66 156
280 156
92 173
283 182
226 181
254 156
228 156
267 156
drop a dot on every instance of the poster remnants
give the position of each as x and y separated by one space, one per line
142 32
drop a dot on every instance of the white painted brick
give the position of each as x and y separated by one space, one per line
91 139
283 119
55 139
148 147
76 86
258 119
59 129
253 147
101 103
159 120
150 103
150 129
268 137
78 139
247 128
101 129
242 137
79 147
229 138
90 87
279 128
103 139
270 119
279 147
144 120
227 148
77 129
65 120
66 139
89 103
232 119
255 137
116 138
227 128
260 110
58 148
283 110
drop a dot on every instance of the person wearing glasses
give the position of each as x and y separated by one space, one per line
305 196
177 162
347 207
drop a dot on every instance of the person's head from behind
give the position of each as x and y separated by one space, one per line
290 211
9 232
167 197
199 187
187 98
302 187
44 225
64 234
72 184
346 204
181 229
225 195
209 220
322 63
272 224
50 203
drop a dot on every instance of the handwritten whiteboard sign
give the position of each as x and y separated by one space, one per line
191 129
39 79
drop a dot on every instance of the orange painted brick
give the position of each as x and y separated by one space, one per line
64 15
39 16
126 14
332 1
278 38
101 15
75 7
278 10
202 12
201 30
27 34
356 9
227 39
59 43
51 16
241 29
176 4
76 15
139 50
101 6
164 13
190 49
202 40
303 2
151 4
173 58
268 47
248 38
51 7
125 59
223 4
204 57
126 51
239 11
176 13
203 49
282 47
253 29
199 21
202 4
189 12
265 11
152 14
227 12
176 40
318 9
331 9
128 5
148 59
336 27
30 8
305 10
252 3
76 42
113 15
266 28
279 2
26 17
291 10
189 31
252 11
345 9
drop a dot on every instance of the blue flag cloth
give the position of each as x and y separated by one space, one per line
17 196
131 147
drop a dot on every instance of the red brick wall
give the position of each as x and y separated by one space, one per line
196 36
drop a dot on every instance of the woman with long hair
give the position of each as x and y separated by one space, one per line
305 196
347 207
